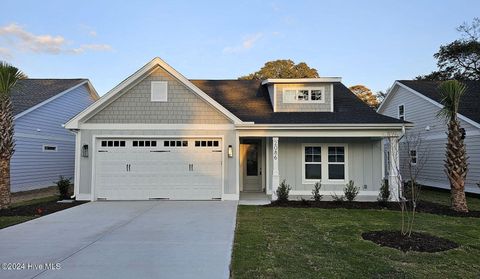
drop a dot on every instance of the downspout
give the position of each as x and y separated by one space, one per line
75 133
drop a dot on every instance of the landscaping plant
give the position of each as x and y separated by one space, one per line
384 195
351 191
283 191
456 166
63 185
316 192
9 76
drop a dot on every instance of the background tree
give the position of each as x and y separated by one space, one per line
9 76
283 69
459 59
365 94
456 166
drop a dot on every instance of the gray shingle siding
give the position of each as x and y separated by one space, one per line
183 105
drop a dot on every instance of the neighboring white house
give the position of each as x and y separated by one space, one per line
44 150
419 102
158 135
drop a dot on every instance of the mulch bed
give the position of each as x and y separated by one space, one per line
423 206
419 242
39 209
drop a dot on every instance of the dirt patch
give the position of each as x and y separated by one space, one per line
36 193
39 209
419 242
423 206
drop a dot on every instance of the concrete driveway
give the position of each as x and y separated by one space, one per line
124 239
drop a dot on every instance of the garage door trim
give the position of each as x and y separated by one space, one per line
94 151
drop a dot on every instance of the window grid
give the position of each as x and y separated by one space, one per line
313 162
113 143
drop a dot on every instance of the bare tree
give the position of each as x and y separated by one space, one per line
413 156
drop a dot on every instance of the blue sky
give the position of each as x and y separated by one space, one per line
365 42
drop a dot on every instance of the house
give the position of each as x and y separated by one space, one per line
159 135
44 150
419 102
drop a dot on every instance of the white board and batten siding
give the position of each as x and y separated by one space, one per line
31 166
432 129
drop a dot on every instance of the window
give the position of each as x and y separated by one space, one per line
159 91
304 95
49 148
401 112
175 143
144 143
206 143
312 162
112 143
336 162
413 156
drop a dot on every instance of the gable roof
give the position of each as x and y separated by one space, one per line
469 103
139 75
250 102
28 93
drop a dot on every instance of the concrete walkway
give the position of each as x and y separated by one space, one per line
151 239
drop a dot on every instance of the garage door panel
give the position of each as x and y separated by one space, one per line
174 172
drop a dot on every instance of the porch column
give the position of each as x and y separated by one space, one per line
394 177
275 173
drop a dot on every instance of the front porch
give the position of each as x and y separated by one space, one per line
264 162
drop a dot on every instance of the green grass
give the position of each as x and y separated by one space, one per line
443 197
6 221
326 243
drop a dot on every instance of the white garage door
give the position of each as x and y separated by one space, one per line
142 169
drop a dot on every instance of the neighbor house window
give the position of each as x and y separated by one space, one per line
401 112
49 148
413 156
159 90
302 95
312 162
336 162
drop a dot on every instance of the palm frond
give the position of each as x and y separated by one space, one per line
451 92
9 75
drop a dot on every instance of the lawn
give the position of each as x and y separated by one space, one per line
272 242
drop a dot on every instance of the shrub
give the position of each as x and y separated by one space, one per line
351 191
304 202
63 184
336 198
316 192
283 191
384 195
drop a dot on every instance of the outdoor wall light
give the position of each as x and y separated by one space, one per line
230 151
85 150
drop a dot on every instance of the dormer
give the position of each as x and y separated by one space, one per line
301 95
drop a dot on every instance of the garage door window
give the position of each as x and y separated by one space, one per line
175 143
144 143
206 143
113 143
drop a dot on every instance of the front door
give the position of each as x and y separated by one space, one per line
252 166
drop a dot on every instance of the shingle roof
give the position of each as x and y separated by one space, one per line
249 101
31 92
469 103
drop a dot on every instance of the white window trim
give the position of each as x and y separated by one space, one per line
398 111
309 101
324 162
166 91
51 145
304 179
410 156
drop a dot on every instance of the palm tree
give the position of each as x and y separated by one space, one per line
456 166
9 75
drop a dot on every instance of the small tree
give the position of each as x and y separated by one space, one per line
63 185
351 191
316 192
384 195
283 191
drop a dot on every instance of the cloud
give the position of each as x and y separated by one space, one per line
5 52
14 38
247 43
88 30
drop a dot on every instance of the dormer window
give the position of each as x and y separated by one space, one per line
304 95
